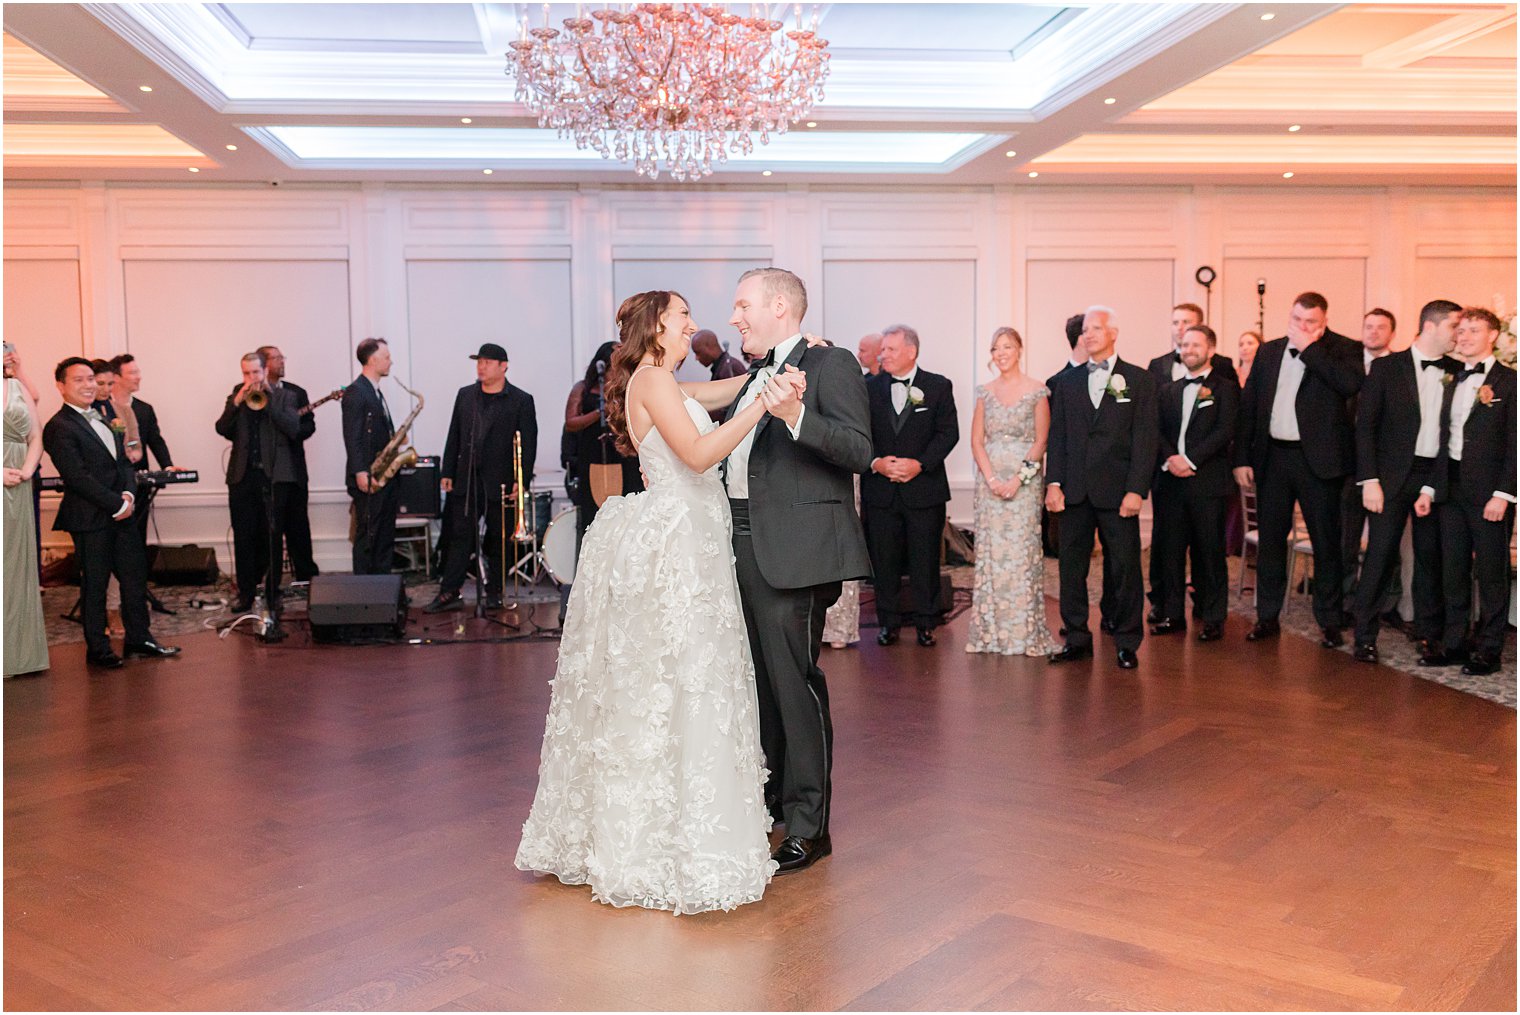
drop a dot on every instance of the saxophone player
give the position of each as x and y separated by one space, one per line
367 429
478 470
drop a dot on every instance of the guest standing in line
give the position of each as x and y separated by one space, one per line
1168 367
868 352
25 630
1009 430
1245 355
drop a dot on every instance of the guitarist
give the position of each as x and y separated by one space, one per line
296 521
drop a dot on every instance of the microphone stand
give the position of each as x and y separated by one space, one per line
1261 308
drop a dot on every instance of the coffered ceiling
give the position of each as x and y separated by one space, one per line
1289 93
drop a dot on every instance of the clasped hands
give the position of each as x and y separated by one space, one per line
782 395
898 470
1055 501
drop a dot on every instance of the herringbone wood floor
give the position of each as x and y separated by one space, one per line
1230 826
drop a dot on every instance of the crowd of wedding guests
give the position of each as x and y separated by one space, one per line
1346 433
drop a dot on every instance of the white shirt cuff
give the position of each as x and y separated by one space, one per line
1190 462
796 431
1374 479
1428 491
1505 496
126 505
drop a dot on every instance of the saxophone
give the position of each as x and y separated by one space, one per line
393 458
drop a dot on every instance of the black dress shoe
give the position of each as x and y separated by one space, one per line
796 853
1071 653
1481 664
1106 626
1331 637
109 661
157 605
926 637
493 601
242 606
1153 617
887 636
1169 627
1433 654
443 602
1211 632
150 650
1128 659
1365 652
1263 630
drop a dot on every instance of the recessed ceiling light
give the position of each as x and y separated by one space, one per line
488 172
465 119
1295 128
144 88
194 169
766 172
231 147
1032 175
1268 16
1010 153
1287 176
812 123
1110 101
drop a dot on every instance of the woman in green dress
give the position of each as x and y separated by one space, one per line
25 649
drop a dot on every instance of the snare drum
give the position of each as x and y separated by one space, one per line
543 504
559 547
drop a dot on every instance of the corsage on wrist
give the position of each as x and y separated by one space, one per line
1028 470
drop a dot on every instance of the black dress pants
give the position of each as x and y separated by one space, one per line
1285 479
461 525
1120 538
1384 532
374 530
785 628
1470 544
1353 560
1189 525
255 547
904 540
296 524
116 549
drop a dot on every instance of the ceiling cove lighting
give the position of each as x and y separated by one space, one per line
1294 129
144 88
1287 176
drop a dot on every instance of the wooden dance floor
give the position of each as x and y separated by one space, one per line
1230 826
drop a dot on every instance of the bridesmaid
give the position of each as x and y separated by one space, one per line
1008 434
1247 344
25 632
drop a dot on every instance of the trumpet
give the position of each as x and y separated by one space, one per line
257 398
525 520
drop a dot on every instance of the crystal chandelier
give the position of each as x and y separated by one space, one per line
672 85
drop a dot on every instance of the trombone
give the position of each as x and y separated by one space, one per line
525 527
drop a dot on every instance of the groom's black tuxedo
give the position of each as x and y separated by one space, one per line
796 540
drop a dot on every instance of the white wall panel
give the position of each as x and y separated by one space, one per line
1140 291
42 319
1470 281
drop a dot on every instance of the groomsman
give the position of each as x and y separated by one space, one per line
903 496
1398 443
1378 327
1168 367
1198 415
1296 443
1477 512
1102 455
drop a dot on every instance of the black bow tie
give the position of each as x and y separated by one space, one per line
1470 371
1192 380
768 360
1443 363
1094 366
904 381
1292 352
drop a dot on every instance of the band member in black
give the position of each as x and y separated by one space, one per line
590 444
478 472
295 522
264 428
367 428
99 495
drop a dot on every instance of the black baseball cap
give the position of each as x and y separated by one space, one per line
490 350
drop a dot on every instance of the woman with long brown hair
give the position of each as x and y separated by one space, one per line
651 779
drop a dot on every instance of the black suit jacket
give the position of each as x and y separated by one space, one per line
1332 377
1210 432
1161 368
1388 419
152 436
366 428
1068 368
925 432
492 421
1102 455
93 481
299 398
802 492
1488 441
279 436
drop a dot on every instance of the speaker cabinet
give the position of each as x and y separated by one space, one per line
417 491
357 607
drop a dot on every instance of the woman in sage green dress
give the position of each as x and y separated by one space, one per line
25 632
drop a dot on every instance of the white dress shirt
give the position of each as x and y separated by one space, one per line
737 474
98 425
1462 402
1097 380
1178 370
900 391
1284 424
1189 400
1428 381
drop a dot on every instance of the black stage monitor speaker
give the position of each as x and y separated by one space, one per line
182 565
417 490
356 607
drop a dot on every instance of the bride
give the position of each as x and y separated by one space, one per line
651 778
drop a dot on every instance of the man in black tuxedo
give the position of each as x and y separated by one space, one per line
797 539
367 428
1193 485
1102 455
99 494
1296 443
1477 498
903 496
868 353
1050 522
1378 329
261 475
477 471
127 381
296 521
1398 447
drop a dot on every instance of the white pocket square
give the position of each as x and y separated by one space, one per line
925 408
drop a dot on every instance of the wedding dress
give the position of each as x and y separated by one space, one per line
651 778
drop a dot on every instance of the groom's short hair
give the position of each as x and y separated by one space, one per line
780 282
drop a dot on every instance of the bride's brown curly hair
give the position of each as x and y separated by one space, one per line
638 321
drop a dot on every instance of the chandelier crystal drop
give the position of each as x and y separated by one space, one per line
672 86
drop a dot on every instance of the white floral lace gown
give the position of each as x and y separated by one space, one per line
651 779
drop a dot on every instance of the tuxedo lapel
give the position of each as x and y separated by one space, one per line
1269 385
1409 372
94 437
793 358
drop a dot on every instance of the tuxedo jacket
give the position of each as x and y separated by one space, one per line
1099 455
93 481
1388 419
1488 441
279 429
802 492
926 432
150 433
299 398
1219 366
1332 377
1210 432
490 422
366 428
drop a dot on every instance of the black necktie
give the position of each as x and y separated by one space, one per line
1293 352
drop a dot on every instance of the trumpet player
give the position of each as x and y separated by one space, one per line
367 430
263 425
478 474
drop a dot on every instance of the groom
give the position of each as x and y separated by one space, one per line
796 540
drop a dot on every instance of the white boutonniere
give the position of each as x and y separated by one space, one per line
915 395
1118 386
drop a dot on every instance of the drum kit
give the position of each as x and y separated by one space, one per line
545 546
